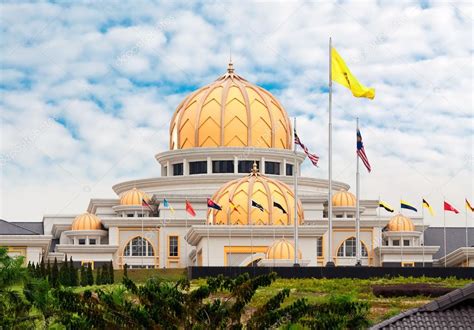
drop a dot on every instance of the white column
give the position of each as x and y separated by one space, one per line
185 167
209 165
236 165
168 168
262 165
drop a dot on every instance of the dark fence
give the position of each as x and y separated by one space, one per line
334 272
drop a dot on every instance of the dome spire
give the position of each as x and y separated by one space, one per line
230 67
254 168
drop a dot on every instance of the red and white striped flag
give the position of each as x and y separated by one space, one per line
312 157
361 151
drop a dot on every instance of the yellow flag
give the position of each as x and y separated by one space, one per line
342 75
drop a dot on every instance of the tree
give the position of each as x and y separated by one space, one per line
48 271
111 272
125 273
38 293
55 274
15 311
89 275
73 273
98 276
83 276
42 268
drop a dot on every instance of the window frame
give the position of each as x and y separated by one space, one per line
200 164
177 247
215 164
178 169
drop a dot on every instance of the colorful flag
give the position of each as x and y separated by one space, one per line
361 151
449 207
469 206
342 75
233 207
405 205
258 206
145 203
428 206
278 206
312 157
168 205
387 207
213 205
189 209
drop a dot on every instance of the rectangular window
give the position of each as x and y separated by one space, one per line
406 242
338 215
91 241
349 215
178 169
245 166
272 168
222 166
289 169
82 241
319 246
199 167
139 215
173 246
396 242
130 215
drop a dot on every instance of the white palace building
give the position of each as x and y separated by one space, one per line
217 134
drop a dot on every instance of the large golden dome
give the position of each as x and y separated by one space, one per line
261 189
400 223
86 221
343 199
133 197
230 112
282 249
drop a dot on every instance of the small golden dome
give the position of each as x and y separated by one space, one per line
343 198
400 223
230 112
86 221
282 249
133 197
264 191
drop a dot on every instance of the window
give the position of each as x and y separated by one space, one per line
349 216
245 166
222 166
319 246
198 167
129 215
396 242
138 247
272 168
173 246
178 169
338 215
289 169
139 215
82 241
92 241
348 248
406 242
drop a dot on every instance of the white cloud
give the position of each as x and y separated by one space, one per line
88 91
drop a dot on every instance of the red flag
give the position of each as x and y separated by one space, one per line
449 207
189 209
145 203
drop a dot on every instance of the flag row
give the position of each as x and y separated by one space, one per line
405 205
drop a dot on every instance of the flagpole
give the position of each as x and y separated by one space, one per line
444 231
211 215
467 238
295 176
358 262
143 236
423 234
401 237
330 261
186 243
380 237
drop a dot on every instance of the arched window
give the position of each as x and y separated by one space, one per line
138 247
348 248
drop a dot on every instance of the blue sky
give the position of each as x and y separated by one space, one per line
88 90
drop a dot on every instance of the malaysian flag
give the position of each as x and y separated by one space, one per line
312 157
361 151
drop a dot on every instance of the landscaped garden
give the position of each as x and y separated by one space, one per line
60 297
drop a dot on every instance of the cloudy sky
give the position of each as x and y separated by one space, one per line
88 90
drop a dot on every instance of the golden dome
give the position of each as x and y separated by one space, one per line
282 249
86 221
261 189
400 223
230 112
133 197
343 199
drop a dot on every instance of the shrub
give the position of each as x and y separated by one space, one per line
409 290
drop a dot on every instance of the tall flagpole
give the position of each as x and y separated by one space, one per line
143 235
444 231
467 238
358 263
186 243
423 233
380 237
330 261
295 177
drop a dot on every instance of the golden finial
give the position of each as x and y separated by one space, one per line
254 168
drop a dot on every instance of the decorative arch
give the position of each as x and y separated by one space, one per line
348 248
138 246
